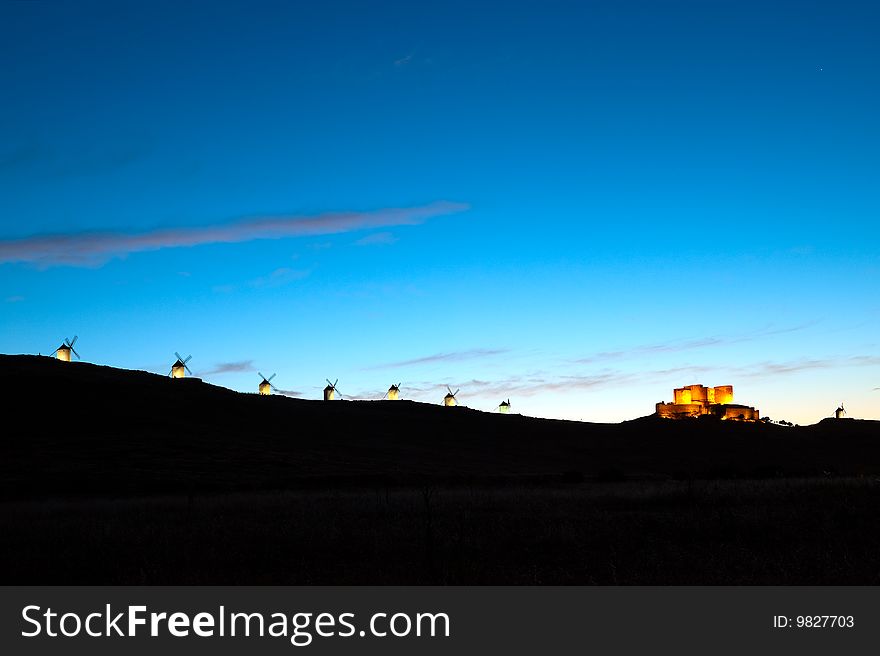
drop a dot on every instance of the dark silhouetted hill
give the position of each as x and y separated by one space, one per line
78 428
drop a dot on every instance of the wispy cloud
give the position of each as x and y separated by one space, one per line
520 386
688 344
481 391
763 369
14 299
95 248
229 368
377 239
284 392
452 356
280 276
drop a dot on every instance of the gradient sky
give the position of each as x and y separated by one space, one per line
577 205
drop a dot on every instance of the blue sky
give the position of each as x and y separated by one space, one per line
576 205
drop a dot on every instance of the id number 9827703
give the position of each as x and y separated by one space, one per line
813 622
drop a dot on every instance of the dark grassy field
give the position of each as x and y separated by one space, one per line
112 476
706 532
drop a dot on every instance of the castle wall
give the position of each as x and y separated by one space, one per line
741 412
724 394
680 410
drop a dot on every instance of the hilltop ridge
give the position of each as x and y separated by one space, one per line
79 428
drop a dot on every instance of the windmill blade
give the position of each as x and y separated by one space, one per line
328 382
188 358
334 383
262 376
179 357
449 389
269 379
73 341
187 368
74 352
456 392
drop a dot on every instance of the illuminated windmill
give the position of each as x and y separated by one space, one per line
449 400
179 368
63 352
266 385
504 407
393 393
330 390
840 412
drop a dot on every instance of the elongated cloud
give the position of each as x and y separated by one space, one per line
291 393
229 368
805 364
94 248
453 356
689 345
544 382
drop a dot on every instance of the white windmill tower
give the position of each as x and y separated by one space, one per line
840 412
449 400
504 407
266 385
393 393
330 391
63 352
179 368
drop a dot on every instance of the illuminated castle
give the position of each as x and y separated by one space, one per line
697 400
